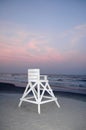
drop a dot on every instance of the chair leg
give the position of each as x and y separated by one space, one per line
57 103
39 108
23 95
20 103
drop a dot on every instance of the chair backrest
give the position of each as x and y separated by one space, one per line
33 75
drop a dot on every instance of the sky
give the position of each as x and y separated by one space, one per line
45 34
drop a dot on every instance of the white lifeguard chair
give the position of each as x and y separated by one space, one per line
38 90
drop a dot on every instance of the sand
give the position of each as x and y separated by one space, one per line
71 115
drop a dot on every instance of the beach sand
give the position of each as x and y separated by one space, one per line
70 116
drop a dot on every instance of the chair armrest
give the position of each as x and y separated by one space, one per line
43 77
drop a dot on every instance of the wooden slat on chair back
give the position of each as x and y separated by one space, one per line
33 74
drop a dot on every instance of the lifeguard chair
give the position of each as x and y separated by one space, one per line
38 90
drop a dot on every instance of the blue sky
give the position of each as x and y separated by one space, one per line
45 34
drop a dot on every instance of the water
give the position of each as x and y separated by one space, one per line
68 80
74 81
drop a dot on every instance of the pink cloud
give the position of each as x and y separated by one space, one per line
23 47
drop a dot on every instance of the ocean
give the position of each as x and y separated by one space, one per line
56 81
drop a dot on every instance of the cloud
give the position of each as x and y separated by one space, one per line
78 33
71 45
19 47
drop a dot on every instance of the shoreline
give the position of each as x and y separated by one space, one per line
19 87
